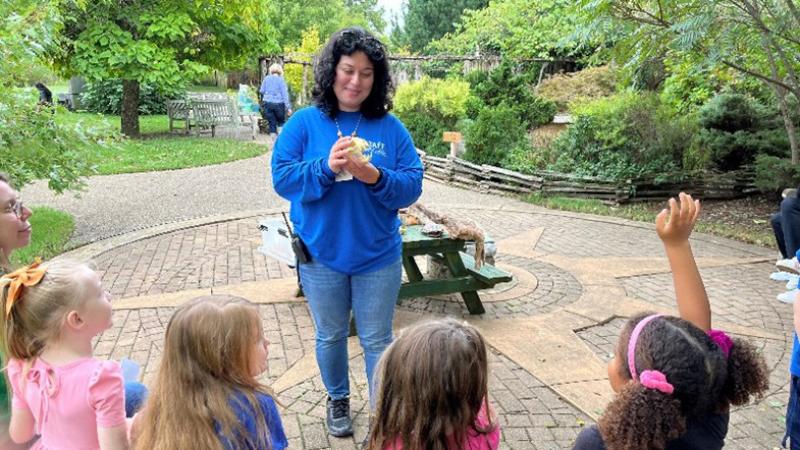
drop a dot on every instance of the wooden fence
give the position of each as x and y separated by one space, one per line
490 179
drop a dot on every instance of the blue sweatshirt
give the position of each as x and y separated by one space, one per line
348 226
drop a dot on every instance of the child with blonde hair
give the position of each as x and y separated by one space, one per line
676 377
206 393
59 391
433 391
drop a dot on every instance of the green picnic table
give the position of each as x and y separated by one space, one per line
463 277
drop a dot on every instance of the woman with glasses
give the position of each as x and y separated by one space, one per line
347 165
15 232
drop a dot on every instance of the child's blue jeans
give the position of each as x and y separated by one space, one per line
793 415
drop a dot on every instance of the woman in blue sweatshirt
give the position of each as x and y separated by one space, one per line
344 206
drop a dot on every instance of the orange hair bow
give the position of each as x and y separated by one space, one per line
24 277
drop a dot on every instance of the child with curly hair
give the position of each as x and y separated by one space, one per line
676 377
51 313
206 394
433 391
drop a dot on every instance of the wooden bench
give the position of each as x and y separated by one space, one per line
179 110
214 113
210 110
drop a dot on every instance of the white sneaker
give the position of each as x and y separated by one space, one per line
788 296
781 276
788 265
793 282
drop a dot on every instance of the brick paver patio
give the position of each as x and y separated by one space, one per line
551 330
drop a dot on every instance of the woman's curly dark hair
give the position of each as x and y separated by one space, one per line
347 42
704 382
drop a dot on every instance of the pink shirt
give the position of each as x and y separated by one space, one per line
474 440
69 402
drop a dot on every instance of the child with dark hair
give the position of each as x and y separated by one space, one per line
433 391
675 377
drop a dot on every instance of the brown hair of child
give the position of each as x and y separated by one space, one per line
206 361
432 382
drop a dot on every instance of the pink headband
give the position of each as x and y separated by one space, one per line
652 379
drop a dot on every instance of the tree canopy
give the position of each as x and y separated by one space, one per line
757 38
290 18
32 145
519 29
159 42
428 20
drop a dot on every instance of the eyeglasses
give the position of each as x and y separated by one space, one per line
15 208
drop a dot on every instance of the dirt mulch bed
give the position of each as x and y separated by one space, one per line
750 214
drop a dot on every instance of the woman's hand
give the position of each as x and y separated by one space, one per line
337 158
362 170
681 220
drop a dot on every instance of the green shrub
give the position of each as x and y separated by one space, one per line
528 159
736 129
566 89
427 132
494 133
105 97
774 174
624 136
692 81
430 106
503 85
729 112
731 151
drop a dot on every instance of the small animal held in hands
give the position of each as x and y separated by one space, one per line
358 148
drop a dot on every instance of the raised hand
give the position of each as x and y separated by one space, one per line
675 225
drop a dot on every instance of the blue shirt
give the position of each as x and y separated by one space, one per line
348 226
794 366
273 90
247 417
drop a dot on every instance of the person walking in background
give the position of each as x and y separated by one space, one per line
275 104
45 96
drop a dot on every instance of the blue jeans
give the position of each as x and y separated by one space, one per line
331 296
793 416
786 226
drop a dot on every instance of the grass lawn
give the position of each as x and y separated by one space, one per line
51 231
169 153
647 213
156 124
159 150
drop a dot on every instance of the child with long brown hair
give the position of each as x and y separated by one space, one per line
676 377
206 394
433 391
60 392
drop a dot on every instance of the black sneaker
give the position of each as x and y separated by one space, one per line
338 418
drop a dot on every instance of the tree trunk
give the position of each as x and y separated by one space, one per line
780 92
130 108
788 124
